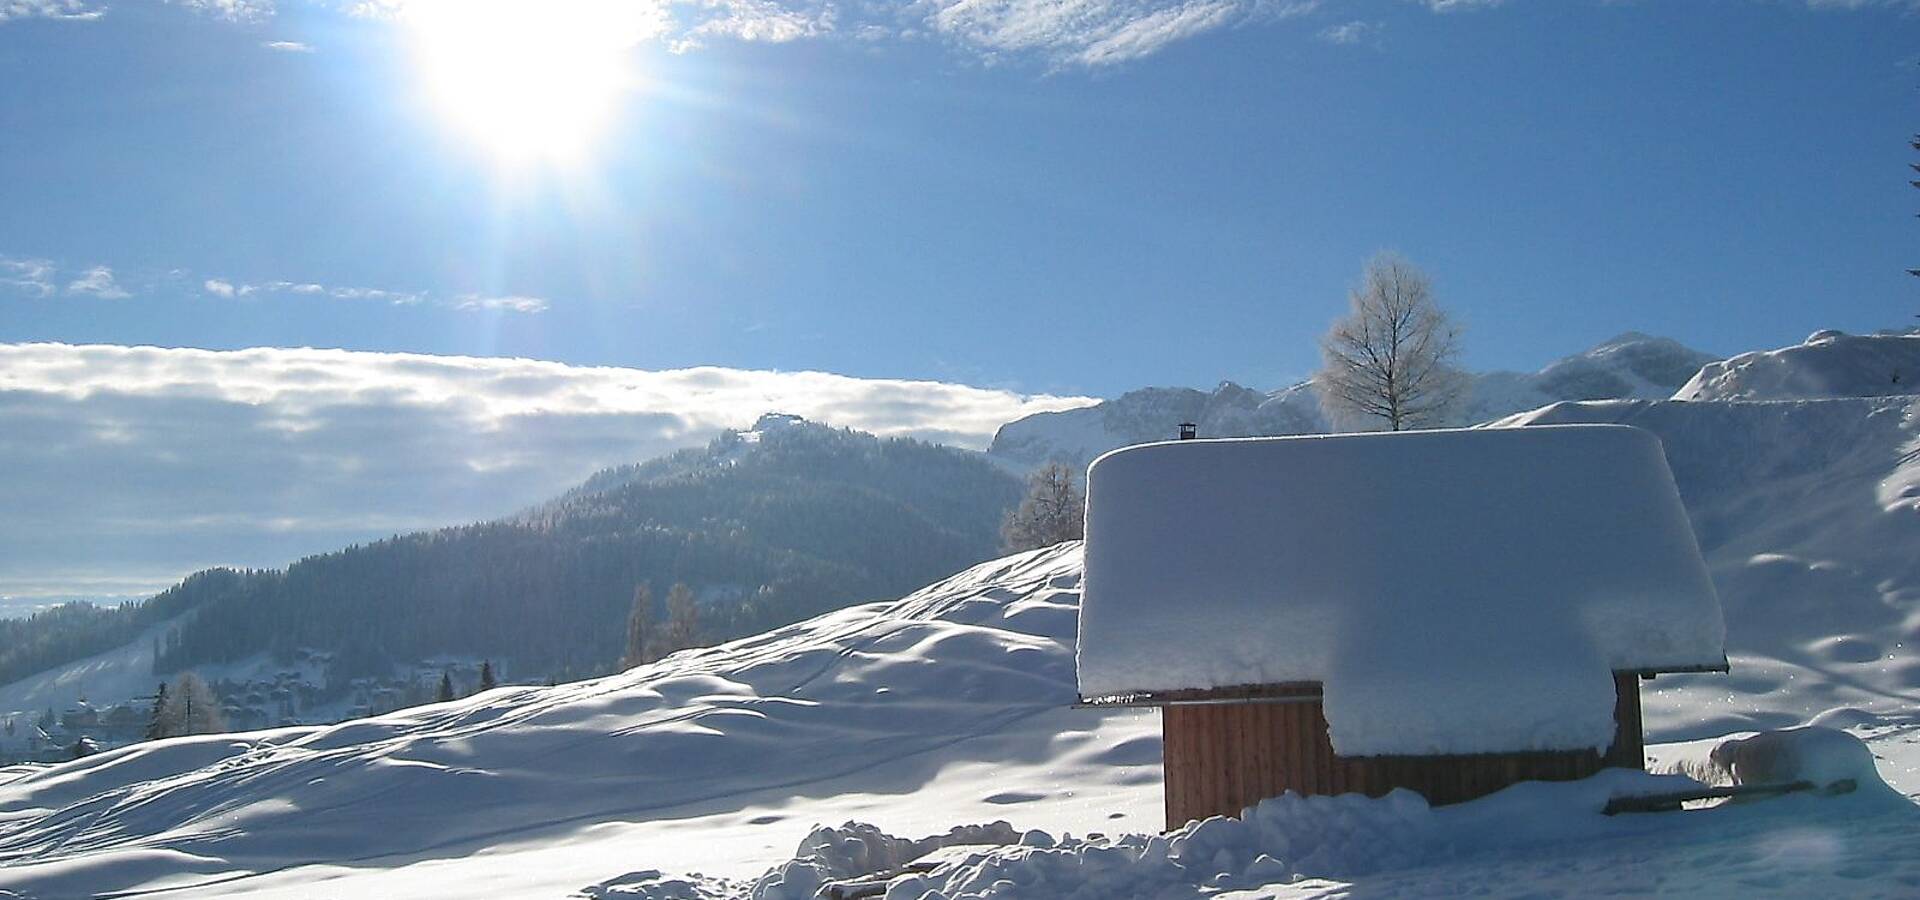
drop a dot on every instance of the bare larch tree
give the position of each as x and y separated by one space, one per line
1391 357
1054 510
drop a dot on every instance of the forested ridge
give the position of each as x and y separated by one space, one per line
767 528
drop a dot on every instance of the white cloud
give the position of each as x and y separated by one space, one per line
519 303
1351 32
232 10
288 46
99 282
1062 32
69 10
34 276
511 303
1444 6
1864 4
132 463
1095 32
764 21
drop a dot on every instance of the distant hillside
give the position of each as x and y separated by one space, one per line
768 526
1826 364
1631 366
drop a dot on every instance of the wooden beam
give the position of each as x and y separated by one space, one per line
1672 800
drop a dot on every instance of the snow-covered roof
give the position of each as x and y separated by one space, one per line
1453 591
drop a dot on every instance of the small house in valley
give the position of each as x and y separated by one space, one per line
1449 612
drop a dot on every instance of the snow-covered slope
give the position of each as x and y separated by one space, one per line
952 705
1808 513
968 682
1827 364
1632 365
109 677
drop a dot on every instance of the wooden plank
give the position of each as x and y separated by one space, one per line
1222 758
1671 800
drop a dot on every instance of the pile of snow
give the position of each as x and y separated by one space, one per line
1632 365
1823 757
1828 364
1455 591
1295 841
856 849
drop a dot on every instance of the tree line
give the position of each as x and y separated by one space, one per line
805 520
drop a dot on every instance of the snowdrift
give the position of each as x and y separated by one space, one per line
1828 364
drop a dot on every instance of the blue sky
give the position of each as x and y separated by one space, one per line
1070 198
1044 199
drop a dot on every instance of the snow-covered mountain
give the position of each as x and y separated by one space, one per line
1826 364
767 526
1632 365
698 776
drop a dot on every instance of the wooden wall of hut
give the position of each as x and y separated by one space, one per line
1224 757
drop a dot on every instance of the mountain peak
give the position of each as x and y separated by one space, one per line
775 421
1631 364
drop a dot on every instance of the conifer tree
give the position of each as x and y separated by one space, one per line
487 681
156 723
446 688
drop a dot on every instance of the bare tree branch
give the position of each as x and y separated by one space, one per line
1391 357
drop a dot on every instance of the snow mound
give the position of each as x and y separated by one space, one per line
1811 753
1455 591
1308 842
855 849
1828 364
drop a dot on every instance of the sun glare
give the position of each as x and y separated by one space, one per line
529 79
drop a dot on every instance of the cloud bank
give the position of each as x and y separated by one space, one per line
128 467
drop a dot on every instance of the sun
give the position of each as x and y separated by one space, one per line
529 79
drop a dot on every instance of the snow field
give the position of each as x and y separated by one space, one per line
952 705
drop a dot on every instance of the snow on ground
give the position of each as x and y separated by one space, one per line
109 677
1808 514
1828 364
953 702
700 775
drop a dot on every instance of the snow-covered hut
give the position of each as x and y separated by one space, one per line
1445 611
